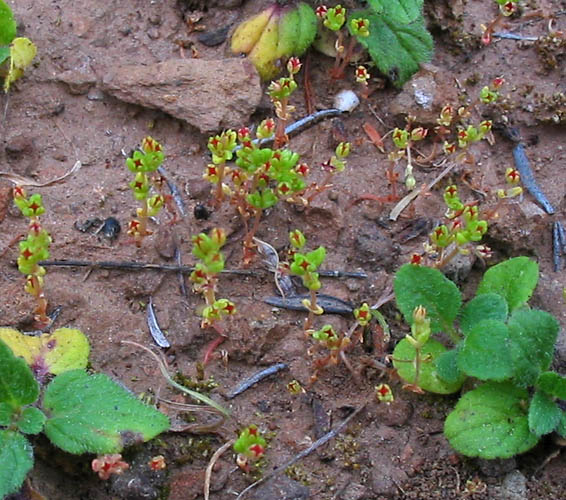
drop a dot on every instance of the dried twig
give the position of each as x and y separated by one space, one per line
217 454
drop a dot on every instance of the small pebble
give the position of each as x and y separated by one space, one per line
111 228
346 100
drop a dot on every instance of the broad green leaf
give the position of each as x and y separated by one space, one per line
533 335
6 412
484 353
423 286
514 279
64 349
403 11
447 367
486 306
491 422
16 460
544 414
17 385
398 40
31 421
92 413
7 30
22 52
429 380
553 384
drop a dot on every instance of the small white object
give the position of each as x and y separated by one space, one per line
346 100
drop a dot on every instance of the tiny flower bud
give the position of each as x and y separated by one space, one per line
384 393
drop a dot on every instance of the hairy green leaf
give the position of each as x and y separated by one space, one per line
491 422
31 421
17 385
423 286
532 334
484 353
553 384
486 306
7 30
16 460
544 414
92 413
447 367
514 279
429 380
398 40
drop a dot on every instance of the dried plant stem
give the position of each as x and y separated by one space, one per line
217 454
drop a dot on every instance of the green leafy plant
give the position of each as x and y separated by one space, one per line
34 249
205 281
142 163
334 19
305 266
499 341
398 40
78 412
250 447
18 50
276 33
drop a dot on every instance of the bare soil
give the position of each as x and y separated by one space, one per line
395 451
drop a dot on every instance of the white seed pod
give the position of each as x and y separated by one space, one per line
346 101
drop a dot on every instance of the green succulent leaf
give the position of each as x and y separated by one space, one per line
18 387
491 422
92 413
532 335
398 40
16 460
514 279
553 384
31 421
423 286
484 353
544 414
481 307
429 378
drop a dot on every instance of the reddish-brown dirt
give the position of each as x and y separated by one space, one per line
395 451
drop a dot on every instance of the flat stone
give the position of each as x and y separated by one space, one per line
211 95
78 81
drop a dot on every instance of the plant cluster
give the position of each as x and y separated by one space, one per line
33 250
205 281
78 412
142 164
19 51
498 341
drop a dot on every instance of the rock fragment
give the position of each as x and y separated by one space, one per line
211 95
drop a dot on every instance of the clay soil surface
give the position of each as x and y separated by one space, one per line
395 451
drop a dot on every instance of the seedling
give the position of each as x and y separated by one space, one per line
305 266
20 51
205 280
250 447
506 8
34 249
334 19
499 341
78 412
142 163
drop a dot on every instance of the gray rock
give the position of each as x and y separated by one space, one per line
425 94
78 81
209 94
281 488
514 487
355 491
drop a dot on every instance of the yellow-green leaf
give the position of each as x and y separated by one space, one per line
22 52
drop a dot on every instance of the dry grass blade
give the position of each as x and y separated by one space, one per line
20 180
208 474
